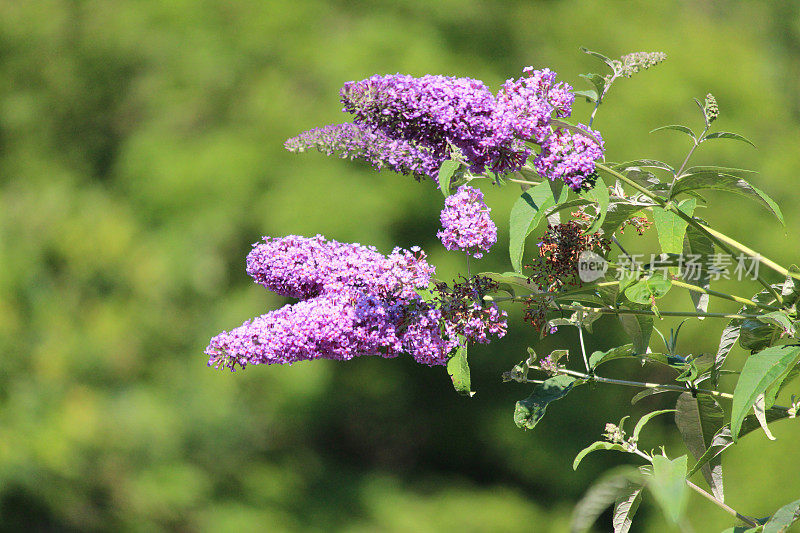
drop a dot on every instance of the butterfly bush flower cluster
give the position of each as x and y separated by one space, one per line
433 117
466 223
570 157
354 141
354 301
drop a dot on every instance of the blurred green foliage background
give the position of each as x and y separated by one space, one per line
140 156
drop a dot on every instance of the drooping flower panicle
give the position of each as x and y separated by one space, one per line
355 301
466 224
359 142
411 125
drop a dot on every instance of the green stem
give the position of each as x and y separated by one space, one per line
752 253
523 182
689 155
669 206
725 507
612 311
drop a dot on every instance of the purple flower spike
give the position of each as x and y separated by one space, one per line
358 142
466 223
570 157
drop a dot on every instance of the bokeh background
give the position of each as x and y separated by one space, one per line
140 156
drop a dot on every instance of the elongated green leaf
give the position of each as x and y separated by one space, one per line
780 383
783 518
514 279
625 507
598 193
723 170
603 493
526 214
608 61
529 411
639 328
644 163
645 419
725 182
698 420
677 127
446 172
760 371
729 337
648 392
595 446
760 413
728 135
668 485
698 250
598 358
458 368
671 228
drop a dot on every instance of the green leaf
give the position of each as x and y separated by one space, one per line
725 182
672 228
625 507
617 213
645 419
677 127
760 371
783 518
698 420
446 172
755 335
698 249
604 492
590 94
772 392
598 82
529 411
598 358
729 337
668 485
639 328
526 214
608 61
722 170
728 135
648 392
514 279
649 288
598 193
645 163
458 368
595 446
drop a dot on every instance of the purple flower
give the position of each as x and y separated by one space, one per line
466 223
355 301
570 157
526 105
358 142
435 112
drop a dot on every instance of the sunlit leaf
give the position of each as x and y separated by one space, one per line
728 135
446 172
668 485
760 371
